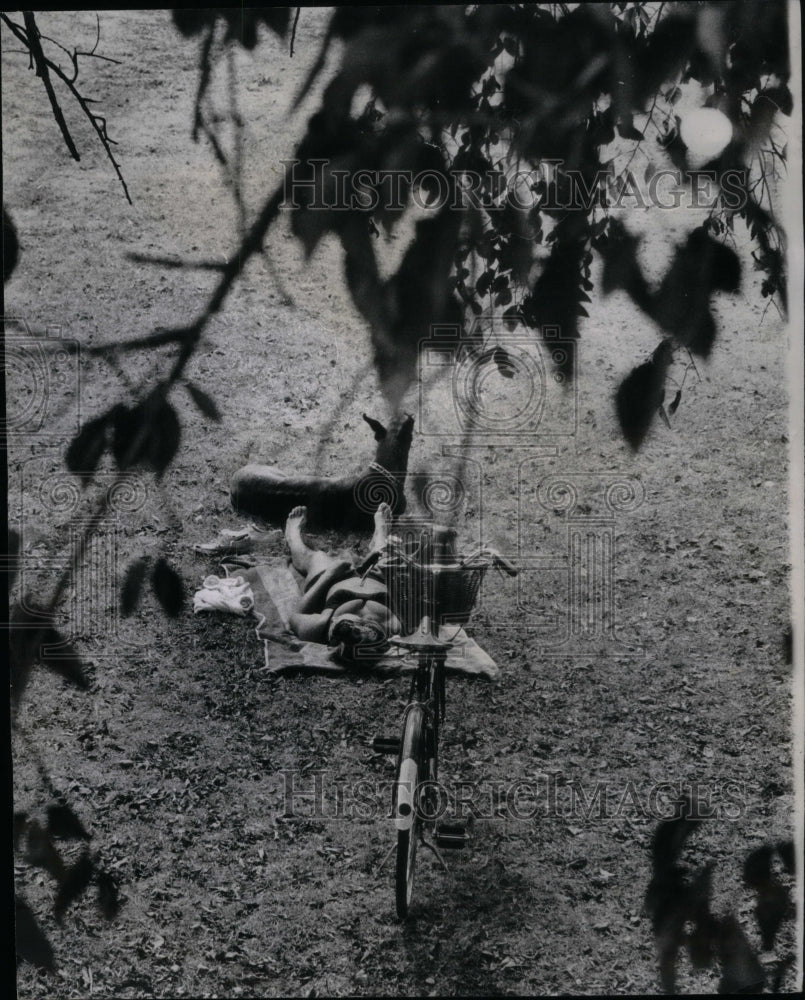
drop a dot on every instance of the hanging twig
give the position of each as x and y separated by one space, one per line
29 36
42 66
293 29
204 69
315 69
170 262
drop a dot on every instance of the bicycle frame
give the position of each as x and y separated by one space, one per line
417 753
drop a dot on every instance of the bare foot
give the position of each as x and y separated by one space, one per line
300 553
298 514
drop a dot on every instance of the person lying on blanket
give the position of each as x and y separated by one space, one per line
338 607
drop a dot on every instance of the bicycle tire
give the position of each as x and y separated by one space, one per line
411 771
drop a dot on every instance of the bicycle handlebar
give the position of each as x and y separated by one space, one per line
392 548
503 563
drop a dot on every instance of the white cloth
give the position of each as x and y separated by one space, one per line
229 593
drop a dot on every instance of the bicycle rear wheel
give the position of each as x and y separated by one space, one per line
411 772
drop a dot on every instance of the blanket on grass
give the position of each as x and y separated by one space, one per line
275 590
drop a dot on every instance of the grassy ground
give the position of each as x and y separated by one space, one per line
176 759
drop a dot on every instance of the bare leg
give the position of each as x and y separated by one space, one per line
301 554
382 527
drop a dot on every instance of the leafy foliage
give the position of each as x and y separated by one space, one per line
679 902
242 25
476 94
34 639
71 879
467 106
32 943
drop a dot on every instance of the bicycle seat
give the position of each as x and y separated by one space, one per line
420 642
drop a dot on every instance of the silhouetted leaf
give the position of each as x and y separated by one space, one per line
417 296
146 434
504 363
682 304
667 51
192 22
75 881
132 585
41 852
703 938
87 447
773 900
757 866
555 300
626 129
764 107
32 945
168 588
277 18
164 433
30 633
128 435
11 246
674 404
772 907
63 823
204 402
20 827
740 970
484 283
63 660
701 334
621 269
785 849
721 262
664 415
108 898
639 397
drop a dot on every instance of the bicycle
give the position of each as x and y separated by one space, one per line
447 593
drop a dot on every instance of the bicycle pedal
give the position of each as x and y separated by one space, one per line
386 744
453 836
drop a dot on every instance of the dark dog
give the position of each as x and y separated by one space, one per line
346 502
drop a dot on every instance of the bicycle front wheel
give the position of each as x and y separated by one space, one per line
411 772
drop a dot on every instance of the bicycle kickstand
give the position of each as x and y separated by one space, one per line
432 847
385 860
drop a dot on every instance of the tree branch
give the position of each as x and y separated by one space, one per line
44 66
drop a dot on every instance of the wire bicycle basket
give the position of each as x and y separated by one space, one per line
447 593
